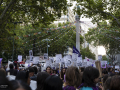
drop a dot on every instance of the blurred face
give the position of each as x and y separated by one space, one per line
48 70
51 71
96 80
64 70
31 74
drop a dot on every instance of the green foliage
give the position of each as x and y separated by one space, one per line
104 57
86 52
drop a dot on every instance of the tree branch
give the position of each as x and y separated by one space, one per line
113 17
6 9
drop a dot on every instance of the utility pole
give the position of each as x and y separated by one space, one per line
77 18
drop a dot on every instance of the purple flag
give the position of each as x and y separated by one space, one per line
76 51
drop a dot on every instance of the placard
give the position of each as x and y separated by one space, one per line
103 64
46 56
68 61
36 60
58 58
74 57
30 53
19 58
116 68
41 58
100 57
79 62
51 60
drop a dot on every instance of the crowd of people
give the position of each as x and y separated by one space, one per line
70 78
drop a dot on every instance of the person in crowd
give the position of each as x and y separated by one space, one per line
20 85
41 79
53 83
12 71
36 70
5 84
52 71
113 83
48 70
55 72
62 73
23 76
2 72
34 76
112 72
73 78
105 77
90 78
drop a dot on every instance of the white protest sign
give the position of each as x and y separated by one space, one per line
51 59
116 68
74 57
36 60
41 57
31 58
68 61
89 63
56 65
79 62
58 58
30 53
45 56
84 64
100 57
19 58
103 64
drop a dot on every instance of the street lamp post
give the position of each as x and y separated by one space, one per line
13 39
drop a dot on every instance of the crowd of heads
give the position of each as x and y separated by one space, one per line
70 78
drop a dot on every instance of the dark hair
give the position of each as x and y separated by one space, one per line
115 83
105 78
73 77
107 83
6 82
2 73
62 74
89 75
23 76
41 79
53 83
11 66
19 84
30 69
35 70
47 68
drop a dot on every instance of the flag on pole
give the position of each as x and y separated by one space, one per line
75 50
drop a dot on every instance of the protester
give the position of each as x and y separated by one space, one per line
73 78
48 70
55 72
90 78
53 83
19 85
5 84
12 71
113 83
62 73
23 76
41 79
2 72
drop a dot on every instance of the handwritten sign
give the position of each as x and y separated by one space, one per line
58 58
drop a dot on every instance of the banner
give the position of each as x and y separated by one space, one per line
103 64
76 51
100 57
51 60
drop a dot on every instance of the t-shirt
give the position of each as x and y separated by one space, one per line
86 88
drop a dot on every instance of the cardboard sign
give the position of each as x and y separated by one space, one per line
45 56
58 58
51 60
19 58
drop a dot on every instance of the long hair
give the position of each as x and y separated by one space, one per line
89 75
62 74
73 77
41 79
